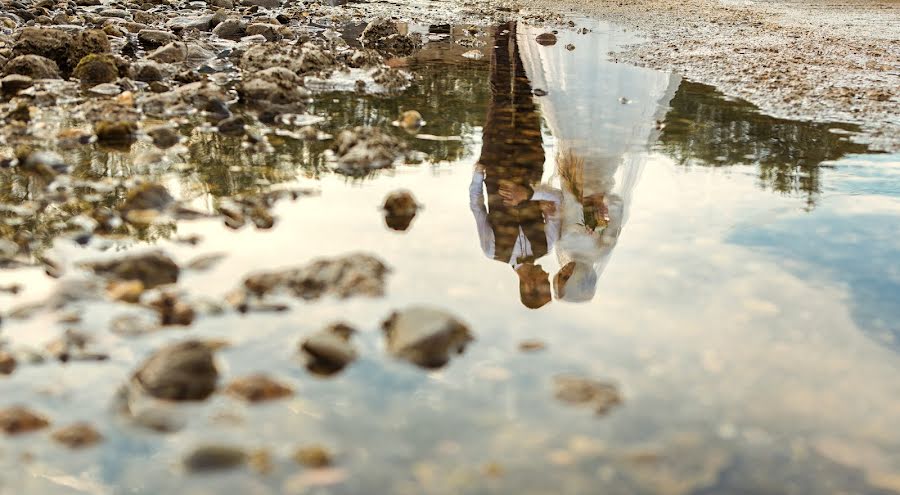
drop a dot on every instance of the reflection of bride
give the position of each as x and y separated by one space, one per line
603 117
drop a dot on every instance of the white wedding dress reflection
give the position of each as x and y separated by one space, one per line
603 116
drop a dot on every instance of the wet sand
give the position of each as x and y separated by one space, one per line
821 60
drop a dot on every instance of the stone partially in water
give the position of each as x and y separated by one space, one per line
77 436
172 310
313 456
384 36
152 269
7 363
400 208
425 336
185 371
116 133
17 419
146 197
330 350
546 39
410 121
258 388
363 149
602 396
214 458
164 137
346 276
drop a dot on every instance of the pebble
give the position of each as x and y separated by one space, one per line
214 458
330 350
258 388
425 336
184 371
18 419
76 436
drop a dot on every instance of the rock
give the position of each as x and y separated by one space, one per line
45 163
570 47
66 49
77 436
532 345
230 29
363 149
232 126
184 371
13 83
33 66
276 85
214 458
266 4
268 31
7 363
147 71
346 276
329 351
383 35
172 310
258 388
74 346
152 269
154 38
313 456
96 69
546 39
425 336
303 59
172 53
222 4
410 121
164 137
198 22
580 391
17 419
146 201
400 208
127 291
116 133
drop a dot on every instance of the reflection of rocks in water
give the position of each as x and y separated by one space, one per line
425 337
384 36
152 269
346 276
313 456
214 458
705 128
145 201
17 419
330 350
184 371
364 149
400 208
7 363
77 436
601 396
258 388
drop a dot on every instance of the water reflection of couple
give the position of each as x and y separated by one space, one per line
581 220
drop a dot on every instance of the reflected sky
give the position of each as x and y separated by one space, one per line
751 336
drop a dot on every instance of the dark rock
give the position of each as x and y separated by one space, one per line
122 132
546 39
155 38
77 436
7 363
400 208
33 66
13 83
17 419
425 337
258 388
214 458
232 126
96 69
164 136
184 371
152 269
330 350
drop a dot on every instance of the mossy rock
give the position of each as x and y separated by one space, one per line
96 69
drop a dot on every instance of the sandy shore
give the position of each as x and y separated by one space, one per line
823 60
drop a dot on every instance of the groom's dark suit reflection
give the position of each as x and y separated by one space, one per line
518 225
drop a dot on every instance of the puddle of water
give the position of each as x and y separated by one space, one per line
744 309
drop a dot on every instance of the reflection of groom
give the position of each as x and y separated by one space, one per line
512 228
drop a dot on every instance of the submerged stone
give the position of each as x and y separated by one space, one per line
185 371
602 396
363 149
214 458
258 388
152 269
18 419
345 276
77 436
330 350
424 336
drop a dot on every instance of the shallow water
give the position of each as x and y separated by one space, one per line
747 311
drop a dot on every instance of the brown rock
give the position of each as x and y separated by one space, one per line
77 436
152 269
184 371
33 66
214 458
96 69
258 388
329 351
17 419
7 363
400 208
313 456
